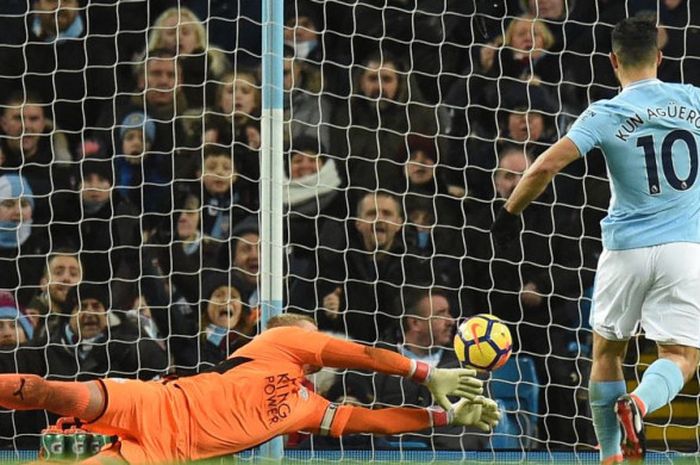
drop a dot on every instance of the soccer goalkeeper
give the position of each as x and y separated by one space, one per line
248 399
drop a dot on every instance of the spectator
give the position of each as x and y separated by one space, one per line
242 257
36 310
96 343
522 53
178 319
161 101
179 30
526 119
136 169
528 116
31 148
422 181
227 323
59 61
431 34
24 123
535 287
167 106
231 27
312 43
439 245
427 329
302 29
15 328
369 127
680 19
306 110
106 229
556 15
227 196
63 271
360 268
22 243
235 119
585 66
312 192
188 253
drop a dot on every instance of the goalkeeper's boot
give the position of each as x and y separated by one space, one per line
631 424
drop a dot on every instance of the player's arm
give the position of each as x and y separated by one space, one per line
318 349
535 180
441 382
345 419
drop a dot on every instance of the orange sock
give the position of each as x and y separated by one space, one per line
32 392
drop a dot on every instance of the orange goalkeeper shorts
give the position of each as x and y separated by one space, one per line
150 419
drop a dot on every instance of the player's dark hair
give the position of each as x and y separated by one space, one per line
381 193
634 40
412 297
216 150
19 98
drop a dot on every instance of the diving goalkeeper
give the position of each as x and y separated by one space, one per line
248 399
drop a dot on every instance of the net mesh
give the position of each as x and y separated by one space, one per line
129 163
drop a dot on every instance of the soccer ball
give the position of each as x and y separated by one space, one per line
483 341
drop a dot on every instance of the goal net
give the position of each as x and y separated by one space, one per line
130 181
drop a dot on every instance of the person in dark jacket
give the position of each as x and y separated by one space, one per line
535 287
96 343
379 112
360 268
227 323
425 334
106 230
71 70
33 148
312 194
183 256
242 257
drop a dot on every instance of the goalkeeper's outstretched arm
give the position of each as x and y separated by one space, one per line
337 421
460 382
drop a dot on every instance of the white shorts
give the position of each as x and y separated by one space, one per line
657 286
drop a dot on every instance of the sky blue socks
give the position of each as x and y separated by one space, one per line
661 382
602 395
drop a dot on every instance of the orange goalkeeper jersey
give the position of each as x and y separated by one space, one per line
261 397
248 399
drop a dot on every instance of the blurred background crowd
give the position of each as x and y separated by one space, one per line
129 185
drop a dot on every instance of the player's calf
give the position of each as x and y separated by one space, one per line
631 423
66 398
22 392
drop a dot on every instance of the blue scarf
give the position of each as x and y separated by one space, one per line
13 234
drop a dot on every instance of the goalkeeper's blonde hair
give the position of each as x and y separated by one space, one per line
288 319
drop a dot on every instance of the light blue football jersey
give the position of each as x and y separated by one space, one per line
649 135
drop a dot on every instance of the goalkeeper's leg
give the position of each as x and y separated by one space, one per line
84 400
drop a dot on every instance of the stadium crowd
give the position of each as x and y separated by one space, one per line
129 185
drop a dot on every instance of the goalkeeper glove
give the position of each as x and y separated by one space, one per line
443 382
482 412
505 229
